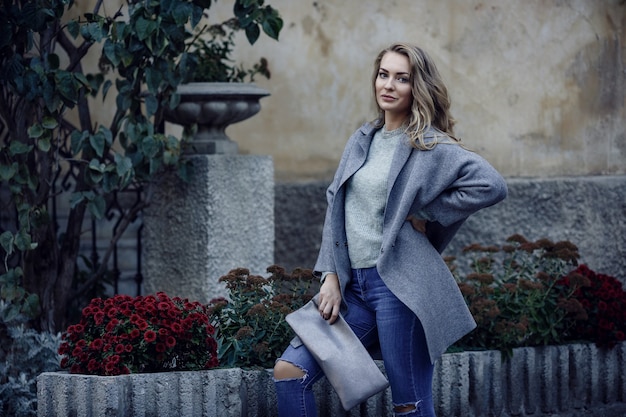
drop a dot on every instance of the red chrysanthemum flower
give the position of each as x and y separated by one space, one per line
149 336
170 342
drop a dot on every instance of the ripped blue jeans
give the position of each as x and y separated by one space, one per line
375 315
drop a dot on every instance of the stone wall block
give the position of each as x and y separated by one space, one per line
578 378
562 387
589 211
486 398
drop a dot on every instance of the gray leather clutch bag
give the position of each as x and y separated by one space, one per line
346 363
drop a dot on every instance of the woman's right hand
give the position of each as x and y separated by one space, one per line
418 224
329 301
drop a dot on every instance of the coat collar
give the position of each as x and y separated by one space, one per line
361 147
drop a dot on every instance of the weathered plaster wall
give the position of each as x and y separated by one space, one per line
538 87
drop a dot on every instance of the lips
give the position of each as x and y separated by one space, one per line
387 98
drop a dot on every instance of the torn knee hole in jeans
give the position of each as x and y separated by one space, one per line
403 409
298 378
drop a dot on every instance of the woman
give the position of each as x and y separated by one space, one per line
403 187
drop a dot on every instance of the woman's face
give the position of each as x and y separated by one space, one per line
393 85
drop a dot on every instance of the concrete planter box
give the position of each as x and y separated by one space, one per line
571 380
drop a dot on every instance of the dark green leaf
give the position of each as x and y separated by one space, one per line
77 139
17 147
252 33
73 28
14 67
105 88
182 12
44 144
196 15
123 165
95 81
155 164
110 52
96 165
53 61
93 31
77 198
152 104
7 171
23 241
144 28
66 86
174 101
153 79
150 146
85 32
123 101
97 142
50 96
49 122
80 77
169 158
272 26
35 131
97 206
6 241
31 306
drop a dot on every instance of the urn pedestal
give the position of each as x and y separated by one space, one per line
223 218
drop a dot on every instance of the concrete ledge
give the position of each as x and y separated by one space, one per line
589 211
557 381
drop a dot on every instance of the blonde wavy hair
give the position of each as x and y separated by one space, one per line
430 106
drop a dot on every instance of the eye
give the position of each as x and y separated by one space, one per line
382 75
403 79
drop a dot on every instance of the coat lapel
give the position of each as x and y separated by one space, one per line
358 154
400 156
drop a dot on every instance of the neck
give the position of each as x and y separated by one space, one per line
393 122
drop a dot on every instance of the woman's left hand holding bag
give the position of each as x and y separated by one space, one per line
329 301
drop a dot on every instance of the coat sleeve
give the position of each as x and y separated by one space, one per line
472 184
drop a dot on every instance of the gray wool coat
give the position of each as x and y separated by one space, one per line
445 185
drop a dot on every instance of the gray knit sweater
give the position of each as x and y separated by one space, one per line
366 197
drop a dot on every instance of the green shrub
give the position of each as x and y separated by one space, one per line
251 330
521 293
515 294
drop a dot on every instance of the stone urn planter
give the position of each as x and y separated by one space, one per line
213 107
557 381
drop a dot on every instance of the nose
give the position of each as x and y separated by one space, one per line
389 83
